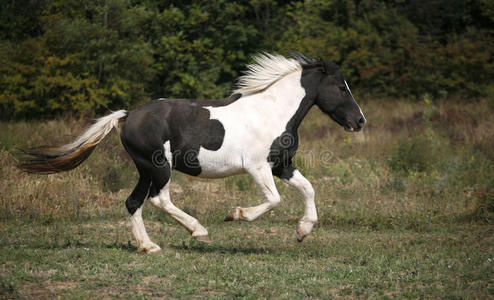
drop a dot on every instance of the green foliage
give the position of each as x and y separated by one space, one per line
415 154
410 155
78 64
484 205
72 56
384 54
199 48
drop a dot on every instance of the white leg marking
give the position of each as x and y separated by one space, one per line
305 224
263 177
163 201
139 231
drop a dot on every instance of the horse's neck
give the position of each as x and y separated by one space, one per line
285 101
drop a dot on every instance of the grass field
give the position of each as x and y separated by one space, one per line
406 211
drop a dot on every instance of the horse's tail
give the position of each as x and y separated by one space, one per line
49 159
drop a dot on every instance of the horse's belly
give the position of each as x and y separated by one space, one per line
217 164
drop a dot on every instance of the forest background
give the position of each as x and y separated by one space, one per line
88 57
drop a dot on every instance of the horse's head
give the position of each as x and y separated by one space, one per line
325 83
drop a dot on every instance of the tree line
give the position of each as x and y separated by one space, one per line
92 56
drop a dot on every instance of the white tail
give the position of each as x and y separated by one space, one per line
54 159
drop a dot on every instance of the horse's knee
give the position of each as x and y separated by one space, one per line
163 201
137 197
139 194
132 205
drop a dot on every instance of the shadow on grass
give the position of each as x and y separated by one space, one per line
122 246
213 248
69 244
290 250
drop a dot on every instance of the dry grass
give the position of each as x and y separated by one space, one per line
441 174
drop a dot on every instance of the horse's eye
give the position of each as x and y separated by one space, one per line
343 88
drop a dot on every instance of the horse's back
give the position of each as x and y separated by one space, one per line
184 125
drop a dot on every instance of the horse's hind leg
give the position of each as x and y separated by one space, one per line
134 205
163 201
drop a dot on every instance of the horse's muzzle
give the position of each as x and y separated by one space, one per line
355 126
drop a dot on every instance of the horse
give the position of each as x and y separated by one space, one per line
253 131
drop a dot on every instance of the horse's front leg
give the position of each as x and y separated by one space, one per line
304 226
264 179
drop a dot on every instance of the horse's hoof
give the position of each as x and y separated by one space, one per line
203 238
154 250
232 215
303 229
301 233
149 249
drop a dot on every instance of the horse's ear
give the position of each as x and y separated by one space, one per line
299 57
305 60
309 61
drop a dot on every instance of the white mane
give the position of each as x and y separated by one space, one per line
266 70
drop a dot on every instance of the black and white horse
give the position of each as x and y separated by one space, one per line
253 131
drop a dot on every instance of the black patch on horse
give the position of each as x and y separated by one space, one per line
285 146
186 124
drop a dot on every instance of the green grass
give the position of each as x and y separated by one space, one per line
260 260
405 208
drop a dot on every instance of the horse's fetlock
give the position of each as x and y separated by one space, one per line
312 220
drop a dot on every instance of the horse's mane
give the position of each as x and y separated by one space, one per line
266 70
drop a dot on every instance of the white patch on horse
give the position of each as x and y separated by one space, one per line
168 153
251 125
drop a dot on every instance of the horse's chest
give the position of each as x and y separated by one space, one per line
245 145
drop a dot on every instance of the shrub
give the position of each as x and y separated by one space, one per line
484 205
412 155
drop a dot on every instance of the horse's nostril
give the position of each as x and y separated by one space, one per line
361 121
